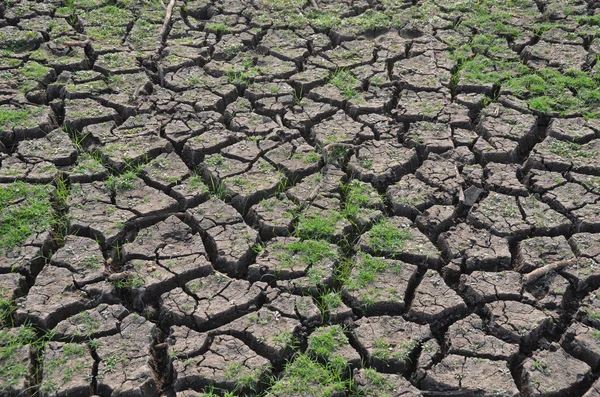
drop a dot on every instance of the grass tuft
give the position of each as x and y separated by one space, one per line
24 210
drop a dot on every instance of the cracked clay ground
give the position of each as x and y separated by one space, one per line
300 198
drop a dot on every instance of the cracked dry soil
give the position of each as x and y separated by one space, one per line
299 198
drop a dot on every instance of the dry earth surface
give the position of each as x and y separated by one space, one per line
300 198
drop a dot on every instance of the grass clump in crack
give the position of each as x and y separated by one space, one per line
387 236
570 150
367 267
370 21
309 252
306 376
15 353
24 210
345 82
359 196
549 90
324 343
319 226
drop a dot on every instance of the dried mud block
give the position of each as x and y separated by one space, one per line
135 141
350 54
511 217
91 212
127 371
88 168
102 320
229 240
21 40
440 173
578 200
165 172
68 369
436 219
587 218
420 106
171 238
479 249
258 182
56 148
382 162
429 71
583 272
117 63
209 302
411 196
295 306
560 55
389 343
467 337
578 130
553 373
339 129
428 137
378 98
267 332
184 126
537 252
262 68
383 126
518 322
373 383
54 297
558 156
80 113
379 286
589 311
162 258
480 287
273 216
143 200
225 363
434 301
12 286
216 167
251 123
541 181
83 257
297 158
32 170
81 88
308 114
503 178
191 192
334 309
215 92
296 265
27 122
321 185
508 133
583 343
471 376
